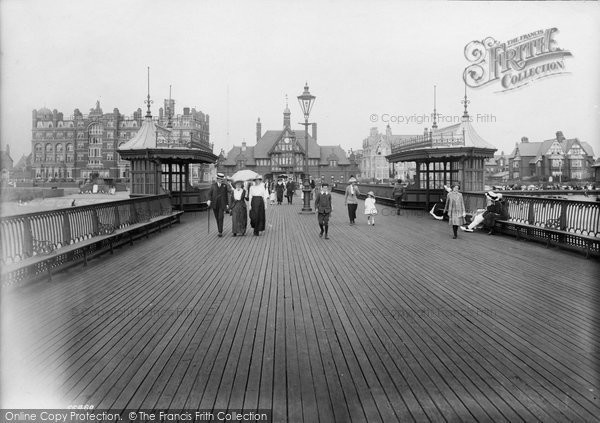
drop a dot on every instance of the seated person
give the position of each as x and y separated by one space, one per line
497 211
478 217
437 211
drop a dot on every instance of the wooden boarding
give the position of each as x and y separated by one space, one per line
396 322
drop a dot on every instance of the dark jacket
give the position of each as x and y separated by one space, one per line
290 187
499 209
219 196
323 203
398 191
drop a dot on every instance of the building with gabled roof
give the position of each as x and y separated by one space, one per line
556 159
283 151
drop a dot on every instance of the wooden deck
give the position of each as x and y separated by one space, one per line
396 322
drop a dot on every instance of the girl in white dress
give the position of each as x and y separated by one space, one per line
370 209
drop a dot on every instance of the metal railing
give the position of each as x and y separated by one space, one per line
27 235
572 216
428 140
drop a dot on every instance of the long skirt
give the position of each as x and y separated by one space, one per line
257 214
239 217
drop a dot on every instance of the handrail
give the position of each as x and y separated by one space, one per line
26 235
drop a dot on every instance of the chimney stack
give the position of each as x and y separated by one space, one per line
314 131
559 136
244 146
186 111
524 140
258 130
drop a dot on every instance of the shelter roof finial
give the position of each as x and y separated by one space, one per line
148 101
434 126
465 102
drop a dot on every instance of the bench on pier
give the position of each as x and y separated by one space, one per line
39 244
551 236
565 223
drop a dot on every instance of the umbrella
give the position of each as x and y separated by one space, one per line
244 175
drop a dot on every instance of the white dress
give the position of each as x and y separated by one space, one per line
370 206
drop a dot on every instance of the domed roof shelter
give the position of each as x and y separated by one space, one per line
446 156
160 161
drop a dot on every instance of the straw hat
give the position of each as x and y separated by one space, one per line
493 196
371 193
353 179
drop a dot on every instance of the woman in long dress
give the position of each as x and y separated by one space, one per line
455 207
279 188
238 209
258 196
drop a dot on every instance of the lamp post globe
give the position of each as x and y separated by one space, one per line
306 101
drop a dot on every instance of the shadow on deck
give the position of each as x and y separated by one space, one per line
396 322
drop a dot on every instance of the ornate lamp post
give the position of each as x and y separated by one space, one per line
306 101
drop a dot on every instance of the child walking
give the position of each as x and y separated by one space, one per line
370 209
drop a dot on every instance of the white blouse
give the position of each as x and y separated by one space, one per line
237 194
258 191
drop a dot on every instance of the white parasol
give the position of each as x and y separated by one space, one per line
244 175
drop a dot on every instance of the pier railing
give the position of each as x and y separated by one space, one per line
571 224
574 216
27 235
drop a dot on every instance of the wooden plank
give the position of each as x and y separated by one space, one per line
375 324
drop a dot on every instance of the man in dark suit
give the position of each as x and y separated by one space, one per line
323 208
289 190
219 200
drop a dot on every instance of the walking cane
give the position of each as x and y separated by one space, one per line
208 210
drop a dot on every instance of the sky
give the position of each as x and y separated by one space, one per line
367 63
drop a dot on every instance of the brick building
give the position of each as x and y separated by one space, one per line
77 146
558 158
283 151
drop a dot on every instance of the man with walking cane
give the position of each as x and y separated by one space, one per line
218 200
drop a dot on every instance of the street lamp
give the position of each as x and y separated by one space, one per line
306 101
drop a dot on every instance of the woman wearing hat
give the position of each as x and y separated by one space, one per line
478 218
279 189
455 207
351 199
370 209
258 196
238 209
498 210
